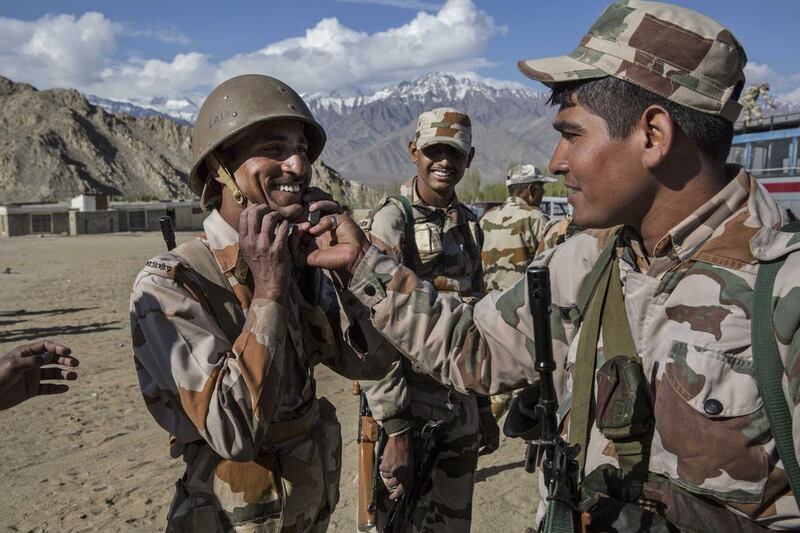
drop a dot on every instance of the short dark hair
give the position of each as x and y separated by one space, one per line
621 103
517 189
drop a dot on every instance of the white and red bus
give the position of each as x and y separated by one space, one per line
768 148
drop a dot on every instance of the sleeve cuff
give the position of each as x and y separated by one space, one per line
396 426
365 283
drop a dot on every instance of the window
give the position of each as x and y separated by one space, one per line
42 223
737 155
770 158
137 220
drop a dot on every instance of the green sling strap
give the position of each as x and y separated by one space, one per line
602 302
769 367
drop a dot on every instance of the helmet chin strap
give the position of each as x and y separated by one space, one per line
223 176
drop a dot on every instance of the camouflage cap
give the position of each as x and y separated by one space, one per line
672 51
444 125
527 173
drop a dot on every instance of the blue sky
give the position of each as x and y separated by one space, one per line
145 49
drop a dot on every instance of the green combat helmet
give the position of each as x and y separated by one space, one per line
230 109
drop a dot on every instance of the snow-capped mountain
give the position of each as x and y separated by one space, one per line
182 110
368 134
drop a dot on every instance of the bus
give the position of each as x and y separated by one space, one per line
768 149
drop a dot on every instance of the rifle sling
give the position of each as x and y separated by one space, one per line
605 313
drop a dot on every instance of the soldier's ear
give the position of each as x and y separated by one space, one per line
412 151
470 156
654 134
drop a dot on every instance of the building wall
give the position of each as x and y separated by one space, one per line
19 224
60 223
152 219
188 218
92 222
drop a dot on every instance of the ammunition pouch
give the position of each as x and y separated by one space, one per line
613 500
624 403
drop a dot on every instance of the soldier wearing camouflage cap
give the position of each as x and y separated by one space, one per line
511 235
438 237
676 314
226 330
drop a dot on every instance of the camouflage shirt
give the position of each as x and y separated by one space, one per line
448 244
511 235
199 385
689 309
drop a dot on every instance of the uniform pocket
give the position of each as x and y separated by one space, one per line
710 424
429 241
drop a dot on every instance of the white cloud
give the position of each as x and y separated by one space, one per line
405 4
56 50
165 33
76 52
783 87
331 55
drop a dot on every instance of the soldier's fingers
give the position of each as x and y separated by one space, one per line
396 491
67 360
245 223
58 373
325 225
325 206
281 236
268 224
52 388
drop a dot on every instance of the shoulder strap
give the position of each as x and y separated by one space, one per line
769 367
592 279
410 241
215 285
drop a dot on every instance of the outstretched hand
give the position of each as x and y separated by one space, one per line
23 369
336 243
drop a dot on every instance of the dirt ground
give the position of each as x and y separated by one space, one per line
93 459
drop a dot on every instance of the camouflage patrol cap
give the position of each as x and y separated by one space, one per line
527 173
444 125
671 51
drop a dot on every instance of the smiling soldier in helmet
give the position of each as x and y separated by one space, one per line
226 330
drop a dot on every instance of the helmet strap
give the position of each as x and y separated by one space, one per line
223 176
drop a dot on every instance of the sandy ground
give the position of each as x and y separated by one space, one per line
93 459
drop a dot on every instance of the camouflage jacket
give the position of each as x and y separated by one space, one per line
511 235
557 231
689 311
199 385
448 244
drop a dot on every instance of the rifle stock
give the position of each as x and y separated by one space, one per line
368 431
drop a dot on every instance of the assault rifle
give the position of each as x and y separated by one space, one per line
433 436
532 416
368 431
167 231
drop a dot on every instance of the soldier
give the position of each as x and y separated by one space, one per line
750 102
226 331
23 369
511 235
556 232
430 231
512 231
664 396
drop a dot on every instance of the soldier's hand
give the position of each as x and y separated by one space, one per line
490 433
338 244
23 369
397 467
266 250
320 201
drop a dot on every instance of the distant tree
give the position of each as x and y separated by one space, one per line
494 192
469 188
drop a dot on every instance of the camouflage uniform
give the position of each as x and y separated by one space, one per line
689 306
556 232
448 242
511 235
263 454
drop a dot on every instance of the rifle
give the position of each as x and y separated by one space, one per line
433 436
167 231
368 431
534 416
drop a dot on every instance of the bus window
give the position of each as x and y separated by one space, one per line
737 155
770 158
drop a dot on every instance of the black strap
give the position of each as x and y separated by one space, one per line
410 242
